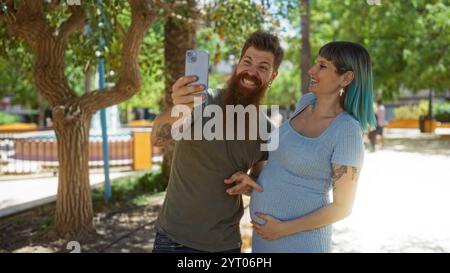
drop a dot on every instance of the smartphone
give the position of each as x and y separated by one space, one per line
197 64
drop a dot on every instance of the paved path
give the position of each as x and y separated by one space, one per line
23 194
402 205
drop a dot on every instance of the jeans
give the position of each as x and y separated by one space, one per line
163 244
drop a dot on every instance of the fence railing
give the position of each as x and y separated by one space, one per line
36 152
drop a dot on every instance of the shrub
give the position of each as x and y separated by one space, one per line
132 190
8 118
412 111
441 111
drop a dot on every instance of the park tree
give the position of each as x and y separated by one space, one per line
408 41
180 29
48 37
305 60
16 78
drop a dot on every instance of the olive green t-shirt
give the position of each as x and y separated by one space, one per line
197 212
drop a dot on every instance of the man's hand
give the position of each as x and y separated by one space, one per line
244 184
185 95
181 95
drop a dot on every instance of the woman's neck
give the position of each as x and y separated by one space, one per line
327 106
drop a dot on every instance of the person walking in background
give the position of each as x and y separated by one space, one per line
381 120
380 115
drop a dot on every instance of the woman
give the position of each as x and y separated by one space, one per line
321 148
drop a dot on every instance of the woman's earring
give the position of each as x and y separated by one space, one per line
341 92
270 85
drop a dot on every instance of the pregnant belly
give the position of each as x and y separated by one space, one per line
284 198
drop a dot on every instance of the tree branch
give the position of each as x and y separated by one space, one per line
76 21
169 8
53 4
142 15
28 22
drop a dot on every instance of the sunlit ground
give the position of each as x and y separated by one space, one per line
402 205
403 201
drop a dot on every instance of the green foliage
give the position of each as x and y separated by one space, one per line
8 118
83 45
228 23
413 111
285 88
227 26
107 24
209 40
441 111
131 191
408 40
217 80
16 76
152 64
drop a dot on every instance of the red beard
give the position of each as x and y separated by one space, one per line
236 94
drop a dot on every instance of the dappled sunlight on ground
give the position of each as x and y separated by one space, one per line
401 206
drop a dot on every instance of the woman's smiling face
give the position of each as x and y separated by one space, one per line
323 77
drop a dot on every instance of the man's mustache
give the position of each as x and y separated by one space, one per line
245 75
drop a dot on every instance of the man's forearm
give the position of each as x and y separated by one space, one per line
255 172
162 127
257 169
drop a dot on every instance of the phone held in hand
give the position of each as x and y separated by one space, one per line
197 64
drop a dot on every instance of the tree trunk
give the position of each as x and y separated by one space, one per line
88 75
74 213
305 53
41 112
71 113
430 105
179 36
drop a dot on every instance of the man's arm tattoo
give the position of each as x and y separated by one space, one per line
164 133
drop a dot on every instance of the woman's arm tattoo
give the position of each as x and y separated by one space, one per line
340 170
355 173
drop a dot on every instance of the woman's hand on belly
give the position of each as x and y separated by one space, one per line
244 184
273 228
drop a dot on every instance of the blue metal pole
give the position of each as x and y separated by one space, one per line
104 125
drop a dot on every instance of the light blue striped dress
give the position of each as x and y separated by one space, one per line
297 179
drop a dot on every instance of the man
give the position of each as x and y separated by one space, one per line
380 115
381 120
198 215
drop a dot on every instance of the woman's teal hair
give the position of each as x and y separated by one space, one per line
358 97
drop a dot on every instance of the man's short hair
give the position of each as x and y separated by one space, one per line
267 42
